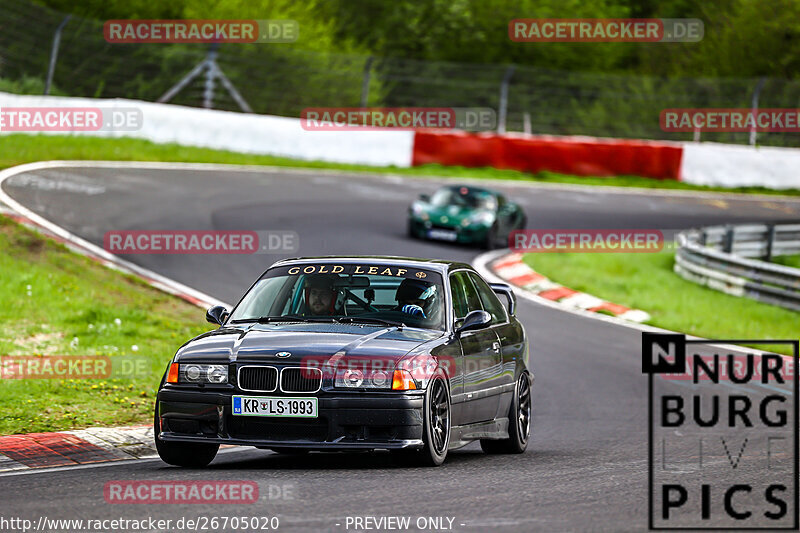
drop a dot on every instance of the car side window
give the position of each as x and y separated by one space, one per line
465 296
490 301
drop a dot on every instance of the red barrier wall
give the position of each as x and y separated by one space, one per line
567 155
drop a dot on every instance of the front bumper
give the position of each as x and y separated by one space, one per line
464 234
355 420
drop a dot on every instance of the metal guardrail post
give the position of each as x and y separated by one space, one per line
501 115
526 123
770 242
54 54
365 81
754 105
727 243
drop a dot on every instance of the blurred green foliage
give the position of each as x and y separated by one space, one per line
743 38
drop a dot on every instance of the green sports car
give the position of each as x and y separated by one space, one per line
462 214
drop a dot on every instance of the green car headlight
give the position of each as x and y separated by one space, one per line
419 212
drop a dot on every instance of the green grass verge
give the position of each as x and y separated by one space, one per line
787 260
19 148
56 302
647 282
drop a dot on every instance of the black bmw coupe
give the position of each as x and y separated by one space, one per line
353 353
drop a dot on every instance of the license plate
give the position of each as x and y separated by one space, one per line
269 406
442 234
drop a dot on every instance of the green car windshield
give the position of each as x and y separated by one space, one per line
359 294
464 197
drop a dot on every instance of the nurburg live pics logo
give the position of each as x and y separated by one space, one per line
722 434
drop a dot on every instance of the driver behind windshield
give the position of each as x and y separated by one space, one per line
416 298
322 297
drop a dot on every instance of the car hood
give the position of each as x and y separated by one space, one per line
261 342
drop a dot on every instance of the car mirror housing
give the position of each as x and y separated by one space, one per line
505 290
216 315
475 320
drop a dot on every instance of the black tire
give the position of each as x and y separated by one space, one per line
519 422
436 428
410 230
490 243
187 454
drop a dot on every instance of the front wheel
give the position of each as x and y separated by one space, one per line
187 454
436 428
490 242
410 231
519 422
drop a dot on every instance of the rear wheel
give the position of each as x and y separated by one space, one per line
490 243
187 454
519 422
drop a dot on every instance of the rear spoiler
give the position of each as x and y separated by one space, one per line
506 290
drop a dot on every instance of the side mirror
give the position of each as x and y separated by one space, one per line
505 289
475 320
425 198
216 315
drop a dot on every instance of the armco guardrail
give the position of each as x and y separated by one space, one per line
723 258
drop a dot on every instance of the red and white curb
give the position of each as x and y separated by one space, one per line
512 269
78 447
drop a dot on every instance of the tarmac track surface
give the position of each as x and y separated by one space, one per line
586 466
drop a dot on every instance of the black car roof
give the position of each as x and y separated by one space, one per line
438 265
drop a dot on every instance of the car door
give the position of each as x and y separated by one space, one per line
501 381
480 353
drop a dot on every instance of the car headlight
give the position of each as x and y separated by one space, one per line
484 218
354 378
419 212
196 373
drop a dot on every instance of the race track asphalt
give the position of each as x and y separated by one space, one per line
586 467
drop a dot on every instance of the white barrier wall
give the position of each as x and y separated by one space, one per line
716 164
240 132
732 165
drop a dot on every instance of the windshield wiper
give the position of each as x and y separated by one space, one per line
285 318
371 320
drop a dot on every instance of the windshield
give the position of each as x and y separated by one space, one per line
379 294
464 197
